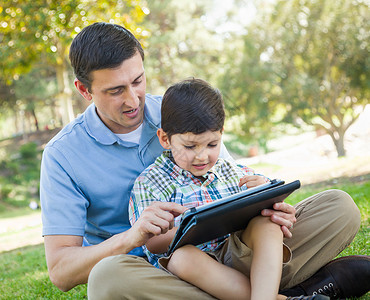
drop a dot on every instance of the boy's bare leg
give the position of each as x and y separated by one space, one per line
266 240
198 268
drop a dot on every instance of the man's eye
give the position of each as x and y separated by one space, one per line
115 92
137 82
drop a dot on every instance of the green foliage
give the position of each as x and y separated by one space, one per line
41 31
320 55
302 61
46 28
19 183
179 45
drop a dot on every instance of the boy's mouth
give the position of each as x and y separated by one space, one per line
200 166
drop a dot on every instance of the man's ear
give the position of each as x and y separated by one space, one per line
82 89
163 139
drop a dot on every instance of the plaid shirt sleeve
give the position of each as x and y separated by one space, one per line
141 197
250 171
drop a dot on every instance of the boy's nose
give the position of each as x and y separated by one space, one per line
201 154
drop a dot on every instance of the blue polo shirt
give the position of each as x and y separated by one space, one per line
87 174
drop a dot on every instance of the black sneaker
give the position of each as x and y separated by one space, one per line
344 277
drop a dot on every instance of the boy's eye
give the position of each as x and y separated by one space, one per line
189 147
212 145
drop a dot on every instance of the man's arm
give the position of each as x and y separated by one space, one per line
69 263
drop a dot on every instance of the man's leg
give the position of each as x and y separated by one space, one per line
326 224
131 277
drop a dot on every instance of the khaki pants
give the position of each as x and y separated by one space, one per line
326 224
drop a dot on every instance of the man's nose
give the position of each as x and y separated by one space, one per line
130 98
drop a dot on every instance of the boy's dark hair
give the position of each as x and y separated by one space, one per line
101 46
193 106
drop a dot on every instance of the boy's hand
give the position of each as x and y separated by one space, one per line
252 180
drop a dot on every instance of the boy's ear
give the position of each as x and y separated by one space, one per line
163 139
82 89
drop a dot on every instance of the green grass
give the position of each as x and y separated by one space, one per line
23 275
23 272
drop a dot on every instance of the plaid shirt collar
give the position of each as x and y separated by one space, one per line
165 161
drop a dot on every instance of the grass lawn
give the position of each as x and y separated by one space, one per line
23 272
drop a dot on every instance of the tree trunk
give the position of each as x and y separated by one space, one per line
35 120
65 93
338 140
339 145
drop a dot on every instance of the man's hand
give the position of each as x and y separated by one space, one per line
155 220
252 180
283 214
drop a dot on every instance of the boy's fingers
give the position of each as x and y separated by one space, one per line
251 181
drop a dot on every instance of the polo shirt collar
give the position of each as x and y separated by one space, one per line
97 129
102 134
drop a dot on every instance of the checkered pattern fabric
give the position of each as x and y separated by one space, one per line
165 181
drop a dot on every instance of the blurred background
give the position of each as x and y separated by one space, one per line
295 75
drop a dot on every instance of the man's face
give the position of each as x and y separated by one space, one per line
196 153
119 95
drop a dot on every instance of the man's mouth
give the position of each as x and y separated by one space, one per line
131 113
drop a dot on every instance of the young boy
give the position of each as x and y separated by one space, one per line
191 174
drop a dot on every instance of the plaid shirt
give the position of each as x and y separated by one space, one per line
165 181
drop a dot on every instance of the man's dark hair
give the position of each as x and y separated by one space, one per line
101 46
192 106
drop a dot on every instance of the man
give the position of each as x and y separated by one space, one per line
89 168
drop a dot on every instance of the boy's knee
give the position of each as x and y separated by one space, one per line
260 226
179 261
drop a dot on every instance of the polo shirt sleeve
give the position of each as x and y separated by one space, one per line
63 204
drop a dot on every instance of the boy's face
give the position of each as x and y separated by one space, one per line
196 153
119 94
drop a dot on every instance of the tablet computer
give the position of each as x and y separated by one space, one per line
221 217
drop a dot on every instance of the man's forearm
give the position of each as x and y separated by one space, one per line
69 263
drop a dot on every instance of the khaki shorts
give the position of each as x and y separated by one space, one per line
234 254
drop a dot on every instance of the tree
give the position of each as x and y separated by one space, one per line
31 31
180 45
247 84
320 51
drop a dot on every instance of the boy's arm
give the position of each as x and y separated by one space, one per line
141 198
159 244
251 179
